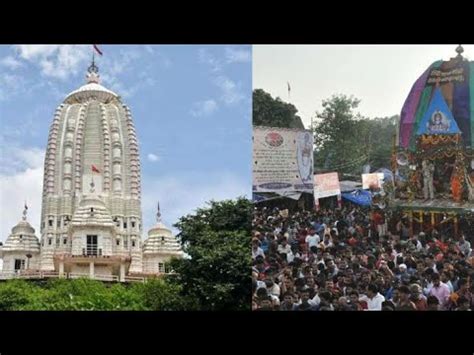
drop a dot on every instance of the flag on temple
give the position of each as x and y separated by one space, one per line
97 49
94 169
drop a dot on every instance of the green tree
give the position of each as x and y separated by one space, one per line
89 295
345 141
337 139
379 133
162 295
271 112
15 295
217 239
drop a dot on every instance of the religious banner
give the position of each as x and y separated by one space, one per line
438 119
326 185
442 76
372 181
282 160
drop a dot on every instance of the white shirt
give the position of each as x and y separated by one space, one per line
275 300
465 247
284 249
274 290
428 288
312 240
315 301
290 257
373 304
418 245
450 286
395 256
257 253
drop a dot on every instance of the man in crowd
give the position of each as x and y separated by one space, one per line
440 290
374 299
405 303
418 298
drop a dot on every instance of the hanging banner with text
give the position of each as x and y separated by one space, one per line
282 160
326 185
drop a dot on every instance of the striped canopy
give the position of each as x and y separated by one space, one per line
455 81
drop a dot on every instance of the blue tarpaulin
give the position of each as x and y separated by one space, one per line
359 197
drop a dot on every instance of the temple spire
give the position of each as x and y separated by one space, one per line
158 214
459 50
93 71
25 211
93 68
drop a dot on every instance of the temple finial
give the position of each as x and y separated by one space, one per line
93 68
459 50
25 211
93 71
158 213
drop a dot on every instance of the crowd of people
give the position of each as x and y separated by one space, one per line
350 259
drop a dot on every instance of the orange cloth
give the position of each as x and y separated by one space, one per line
456 188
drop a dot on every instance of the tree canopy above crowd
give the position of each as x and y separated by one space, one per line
271 112
345 140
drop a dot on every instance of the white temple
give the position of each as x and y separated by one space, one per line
91 219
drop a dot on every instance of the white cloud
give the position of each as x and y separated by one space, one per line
149 49
33 52
11 85
204 108
21 178
117 67
163 60
10 63
231 92
153 157
182 195
237 55
113 83
207 58
56 61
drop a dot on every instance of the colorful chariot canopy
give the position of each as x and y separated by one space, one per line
451 80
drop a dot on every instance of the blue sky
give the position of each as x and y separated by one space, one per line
191 106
